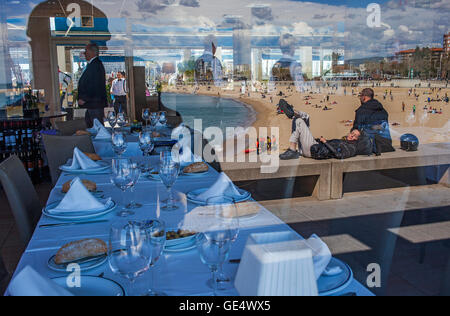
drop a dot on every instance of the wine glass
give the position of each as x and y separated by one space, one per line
156 229
168 173
214 242
111 118
163 118
226 211
136 174
146 116
146 143
129 251
154 119
119 143
121 120
123 177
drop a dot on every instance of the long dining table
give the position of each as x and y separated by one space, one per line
177 274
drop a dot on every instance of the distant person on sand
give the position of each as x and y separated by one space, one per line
208 68
287 69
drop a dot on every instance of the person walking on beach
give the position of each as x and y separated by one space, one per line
414 109
403 106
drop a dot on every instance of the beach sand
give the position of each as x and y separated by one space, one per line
430 128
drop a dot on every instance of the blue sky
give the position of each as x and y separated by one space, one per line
348 3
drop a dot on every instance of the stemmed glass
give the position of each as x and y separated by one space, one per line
214 243
146 145
146 116
156 229
123 177
119 143
163 118
129 251
154 119
111 118
136 174
168 173
121 120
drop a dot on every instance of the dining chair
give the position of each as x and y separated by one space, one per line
4 275
60 148
69 128
22 197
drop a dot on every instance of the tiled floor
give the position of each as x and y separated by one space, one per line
404 230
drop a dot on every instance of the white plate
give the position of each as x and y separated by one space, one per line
192 196
104 166
92 264
329 285
76 217
182 247
93 286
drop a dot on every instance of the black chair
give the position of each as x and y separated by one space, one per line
22 196
60 148
69 128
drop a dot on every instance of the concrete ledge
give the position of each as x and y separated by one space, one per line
244 171
427 155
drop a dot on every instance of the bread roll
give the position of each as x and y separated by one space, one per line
93 157
81 133
243 209
91 186
196 168
81 249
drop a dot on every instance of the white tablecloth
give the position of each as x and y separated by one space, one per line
177 273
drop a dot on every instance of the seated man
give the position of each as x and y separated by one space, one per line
303 138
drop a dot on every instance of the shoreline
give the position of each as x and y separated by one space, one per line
430 128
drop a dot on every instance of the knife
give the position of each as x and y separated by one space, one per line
71 224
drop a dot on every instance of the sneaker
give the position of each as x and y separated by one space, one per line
290 154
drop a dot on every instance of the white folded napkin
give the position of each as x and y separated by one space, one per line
81 161
79 200
223 187
321 255
30 283
97 124
103 133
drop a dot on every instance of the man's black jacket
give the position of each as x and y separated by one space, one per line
370 113
92 86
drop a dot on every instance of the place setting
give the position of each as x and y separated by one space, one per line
85 163
79 204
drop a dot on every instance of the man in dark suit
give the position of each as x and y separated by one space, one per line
92 87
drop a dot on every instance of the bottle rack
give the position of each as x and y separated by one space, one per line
21 137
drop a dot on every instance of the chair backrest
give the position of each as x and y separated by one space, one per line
22 196
69 128
60 148
4 275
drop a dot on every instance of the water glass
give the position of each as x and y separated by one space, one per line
146 116
169 174
136 174
123 177
119 143
154 119
111 118
129 251
121 120
163 118
156 229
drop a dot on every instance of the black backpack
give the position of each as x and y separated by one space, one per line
335 148
286 108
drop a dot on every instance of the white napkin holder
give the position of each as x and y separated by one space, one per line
276 264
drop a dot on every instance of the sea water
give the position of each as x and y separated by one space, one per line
213 111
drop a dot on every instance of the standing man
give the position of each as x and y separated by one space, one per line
92 87
119 91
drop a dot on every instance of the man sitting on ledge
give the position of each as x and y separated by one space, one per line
303 138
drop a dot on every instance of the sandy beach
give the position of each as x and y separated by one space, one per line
335 123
